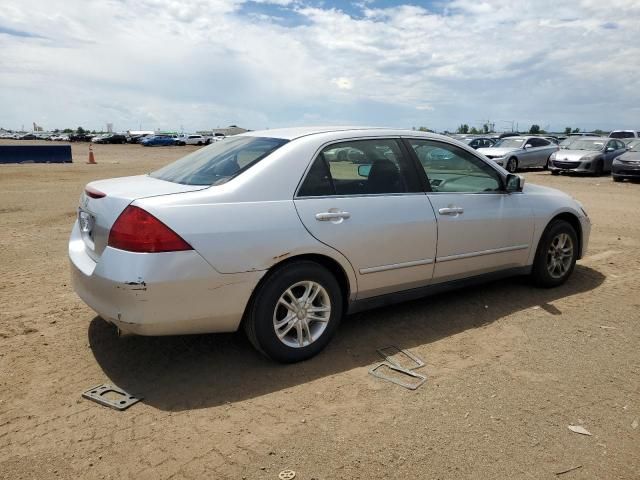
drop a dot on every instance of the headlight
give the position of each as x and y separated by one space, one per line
553 156
588 158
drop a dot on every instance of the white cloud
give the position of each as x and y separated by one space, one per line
342 83
202 63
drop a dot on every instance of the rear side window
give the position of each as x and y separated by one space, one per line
219 162
361 167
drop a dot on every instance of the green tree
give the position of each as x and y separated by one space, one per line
534 130
474 131
576 130
597 131
464 128
67 130
80 131
424 129
485 128
567 130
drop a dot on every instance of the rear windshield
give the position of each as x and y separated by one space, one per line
219 162
621 134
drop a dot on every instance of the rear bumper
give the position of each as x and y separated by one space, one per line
585 225
171 293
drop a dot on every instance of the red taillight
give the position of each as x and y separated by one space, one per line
93 193
136 230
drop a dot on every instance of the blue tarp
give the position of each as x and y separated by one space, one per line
35 154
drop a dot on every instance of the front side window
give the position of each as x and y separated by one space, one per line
451 169
219 162
360 167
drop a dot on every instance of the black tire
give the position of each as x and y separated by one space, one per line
199 144
512 165
546 165
616 178
540 274
555 172
259 320
599 168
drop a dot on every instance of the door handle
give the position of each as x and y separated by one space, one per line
328 216
451 211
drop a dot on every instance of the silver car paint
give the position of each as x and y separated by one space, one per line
244 227
527 157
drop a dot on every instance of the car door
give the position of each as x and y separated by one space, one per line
364 198
481 228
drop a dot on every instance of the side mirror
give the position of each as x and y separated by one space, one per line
514 183
364 170
528 145
609 149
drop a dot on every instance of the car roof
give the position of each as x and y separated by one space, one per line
297 132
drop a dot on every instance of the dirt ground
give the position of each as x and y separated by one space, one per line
509 366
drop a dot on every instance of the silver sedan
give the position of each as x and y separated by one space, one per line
282 233
521 152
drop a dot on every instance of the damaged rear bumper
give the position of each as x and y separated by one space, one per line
171 293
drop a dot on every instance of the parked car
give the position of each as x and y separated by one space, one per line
158 140
27 136
60 138
479 142
627 165
623 134
272 232
587 155
138 138
112 138
193 140
77 137
520 152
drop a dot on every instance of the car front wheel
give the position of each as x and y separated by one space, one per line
512 165
295 312
556 255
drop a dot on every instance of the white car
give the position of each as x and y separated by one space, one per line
193 140
278 232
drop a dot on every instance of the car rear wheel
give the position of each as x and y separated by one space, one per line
295 312
512 165
555 172
556 255
616 178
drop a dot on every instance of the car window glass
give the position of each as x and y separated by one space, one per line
220 161
451 169
361 167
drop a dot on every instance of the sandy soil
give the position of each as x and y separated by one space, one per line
509 366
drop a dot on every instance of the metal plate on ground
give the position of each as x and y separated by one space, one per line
110 396
400 376
400 358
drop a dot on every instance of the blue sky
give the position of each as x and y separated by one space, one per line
271 63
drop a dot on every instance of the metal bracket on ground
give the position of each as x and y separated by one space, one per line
375 371
117 398
389 352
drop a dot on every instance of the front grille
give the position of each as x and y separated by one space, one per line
565 164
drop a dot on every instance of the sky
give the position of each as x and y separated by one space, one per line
202 64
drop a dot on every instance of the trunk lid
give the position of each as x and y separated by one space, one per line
97 215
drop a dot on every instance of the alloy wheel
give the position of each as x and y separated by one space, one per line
559 255
302 314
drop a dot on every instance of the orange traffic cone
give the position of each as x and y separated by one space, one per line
92 159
